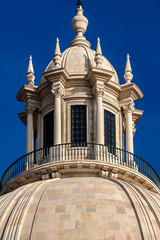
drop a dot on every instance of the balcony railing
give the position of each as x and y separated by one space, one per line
75 152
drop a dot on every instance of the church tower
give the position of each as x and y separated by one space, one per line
80 178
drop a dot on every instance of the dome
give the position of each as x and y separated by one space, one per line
80 208
78 60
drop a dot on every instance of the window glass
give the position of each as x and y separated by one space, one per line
78 124
109 128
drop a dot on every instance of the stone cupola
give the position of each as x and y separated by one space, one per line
80 76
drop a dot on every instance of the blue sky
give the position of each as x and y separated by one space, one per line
31 27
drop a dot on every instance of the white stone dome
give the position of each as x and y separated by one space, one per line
80 208
77 60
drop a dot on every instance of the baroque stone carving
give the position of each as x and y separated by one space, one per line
58 92
129 108
99 92
29 109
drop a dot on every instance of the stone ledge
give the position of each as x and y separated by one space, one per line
84 168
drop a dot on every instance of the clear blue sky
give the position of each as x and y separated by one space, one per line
31 27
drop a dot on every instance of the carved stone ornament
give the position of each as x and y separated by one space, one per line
58 92
99 92
29 109
129 107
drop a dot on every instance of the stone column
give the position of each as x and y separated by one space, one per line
30 131
57 116
129 128
100 117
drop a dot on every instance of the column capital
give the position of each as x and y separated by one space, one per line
58 92
29 109
99 92
129 108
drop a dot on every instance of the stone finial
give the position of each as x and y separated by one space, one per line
80 23
30 73
98 54
128 71
57 54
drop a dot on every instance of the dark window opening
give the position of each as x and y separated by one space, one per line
109 130
78 124
48 125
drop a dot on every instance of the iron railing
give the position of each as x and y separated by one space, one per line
81 151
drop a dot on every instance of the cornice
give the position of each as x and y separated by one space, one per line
78 97
136 116
99 74
28 92
23 117
55 75
130 91
78 82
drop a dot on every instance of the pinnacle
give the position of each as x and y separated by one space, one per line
128 65
57 48
98 54
30 66
30 73
128 70
98 49
57 54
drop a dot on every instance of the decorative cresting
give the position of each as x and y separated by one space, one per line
80 23
105 161
30 73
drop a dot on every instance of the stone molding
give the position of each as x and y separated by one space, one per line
80 168
129 91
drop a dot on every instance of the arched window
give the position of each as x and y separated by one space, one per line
109 128
48 123
78 124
